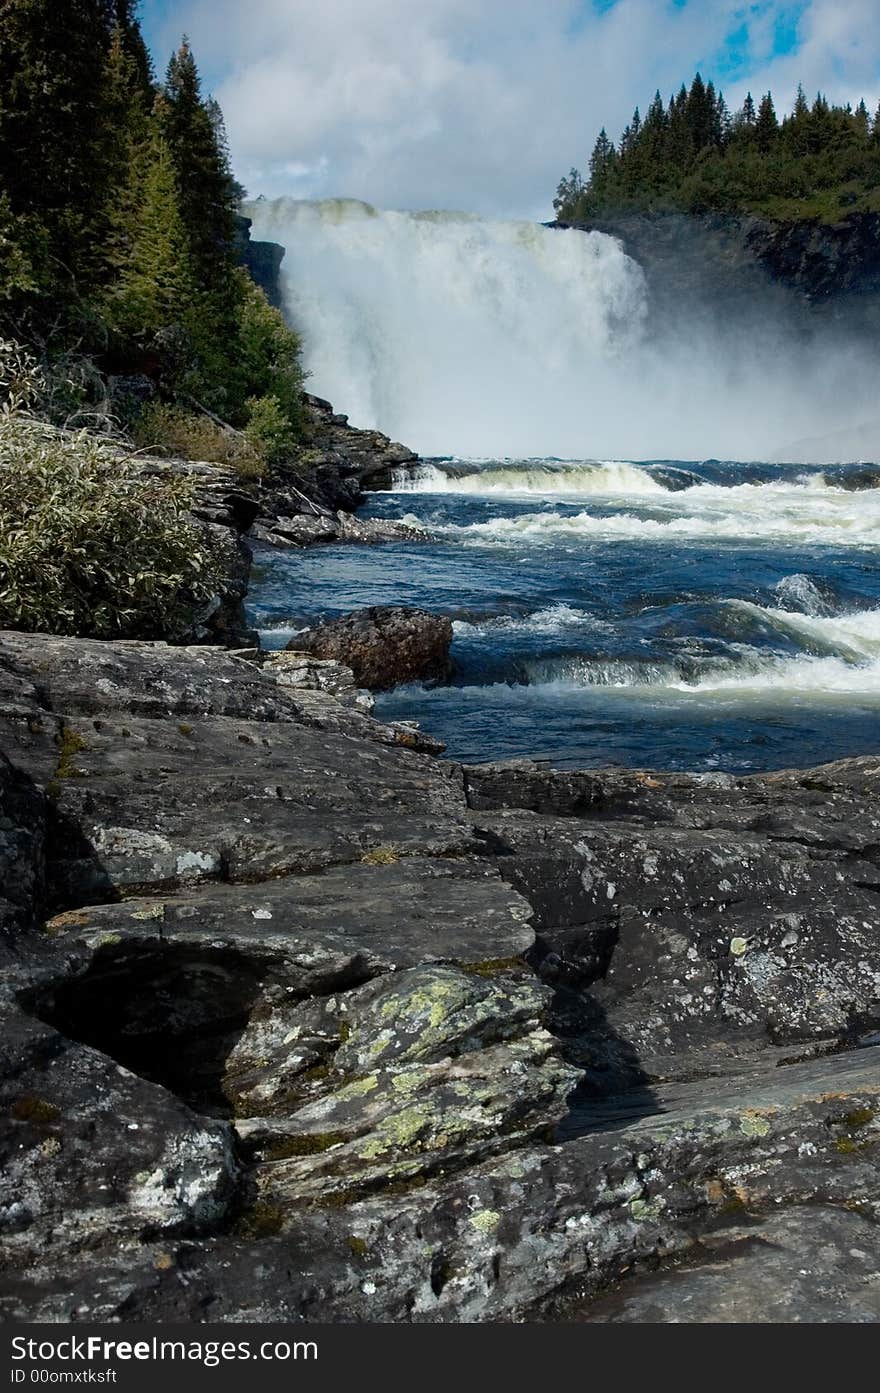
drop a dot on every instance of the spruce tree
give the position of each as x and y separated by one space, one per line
209 193
126 22
601 158
156 291
51 69
126 130
747 115
209 197
766 125
691 156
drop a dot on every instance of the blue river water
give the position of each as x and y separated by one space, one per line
666 615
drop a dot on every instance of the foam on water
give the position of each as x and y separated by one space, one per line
610 478
778 512
847 662
555 619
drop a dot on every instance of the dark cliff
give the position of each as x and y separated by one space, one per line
817 270
262 260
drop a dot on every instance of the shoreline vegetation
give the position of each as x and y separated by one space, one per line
820 162
131 334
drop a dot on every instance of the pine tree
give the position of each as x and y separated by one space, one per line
126 131
767 125
747 115
700 114
691 156
156 289
209 193
126 22
601 159
51 68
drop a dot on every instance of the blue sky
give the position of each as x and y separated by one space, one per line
483 104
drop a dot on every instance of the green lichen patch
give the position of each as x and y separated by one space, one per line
853 1125
153 911
358 1246
380 856
643 1210
105 940
753 1125
485 1221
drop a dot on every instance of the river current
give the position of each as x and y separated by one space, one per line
669 615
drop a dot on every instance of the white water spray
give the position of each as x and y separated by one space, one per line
461 335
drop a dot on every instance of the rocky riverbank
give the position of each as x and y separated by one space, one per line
311 501
300 1022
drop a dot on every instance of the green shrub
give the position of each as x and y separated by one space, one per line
193 436
90 546
269 354
269 430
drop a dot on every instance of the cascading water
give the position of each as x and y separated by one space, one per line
612 600
461 335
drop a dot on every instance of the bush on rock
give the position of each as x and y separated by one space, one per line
90 544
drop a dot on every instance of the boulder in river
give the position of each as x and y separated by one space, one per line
384 645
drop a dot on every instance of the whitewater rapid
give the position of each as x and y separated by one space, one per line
461 334
641 506
669 614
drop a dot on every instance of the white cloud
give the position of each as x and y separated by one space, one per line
480 104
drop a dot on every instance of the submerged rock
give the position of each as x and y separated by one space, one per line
384 645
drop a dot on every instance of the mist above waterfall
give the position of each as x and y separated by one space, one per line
461 335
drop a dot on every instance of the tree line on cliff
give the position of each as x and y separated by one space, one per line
119 229
693 155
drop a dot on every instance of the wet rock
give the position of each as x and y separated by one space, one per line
433 1066
397 1125
308 530
384 645
303 673
310 935
534 1234
334 466
700 920
855 480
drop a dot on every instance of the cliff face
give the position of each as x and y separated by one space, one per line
813 269
263 261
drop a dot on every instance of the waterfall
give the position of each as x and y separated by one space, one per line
478 338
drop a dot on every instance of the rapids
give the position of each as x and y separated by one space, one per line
677 615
